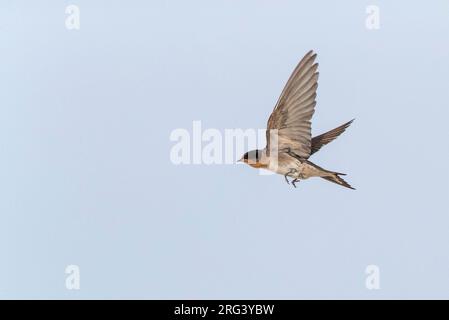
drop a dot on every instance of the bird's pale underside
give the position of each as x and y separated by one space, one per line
289 137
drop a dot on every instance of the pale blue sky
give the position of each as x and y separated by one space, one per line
86 179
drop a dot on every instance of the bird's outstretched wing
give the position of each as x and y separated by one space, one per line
294 110
325 138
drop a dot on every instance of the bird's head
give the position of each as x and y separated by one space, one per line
253 158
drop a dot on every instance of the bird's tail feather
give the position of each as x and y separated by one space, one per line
335 178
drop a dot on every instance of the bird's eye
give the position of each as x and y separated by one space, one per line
245 156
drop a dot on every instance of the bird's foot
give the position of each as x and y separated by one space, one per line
292 171
294 181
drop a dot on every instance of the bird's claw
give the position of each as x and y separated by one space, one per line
294 182
286 179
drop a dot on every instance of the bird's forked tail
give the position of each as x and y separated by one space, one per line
335 178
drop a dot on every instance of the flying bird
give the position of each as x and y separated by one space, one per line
289 137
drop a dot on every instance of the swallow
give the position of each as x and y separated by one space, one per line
289 137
